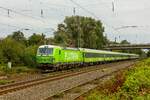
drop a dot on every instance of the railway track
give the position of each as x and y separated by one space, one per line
7 89
95 86
26 84
90 86
21 85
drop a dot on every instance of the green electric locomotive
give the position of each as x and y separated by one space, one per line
56 57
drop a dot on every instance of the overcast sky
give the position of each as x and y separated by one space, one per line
26 15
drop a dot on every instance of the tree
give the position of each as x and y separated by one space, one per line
18 36
12 51
62 37
36 39
1 54
50 41
124 42
29 56
148 53
80 31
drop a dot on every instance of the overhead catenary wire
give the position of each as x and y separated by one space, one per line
11 10
28 28
57 8
43 12
132 26
16 28
9 25
57 5
91 13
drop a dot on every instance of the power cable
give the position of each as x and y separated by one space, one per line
56 9
9 25
10 10
25 28
91 13
124 27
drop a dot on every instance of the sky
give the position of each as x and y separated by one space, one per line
25 15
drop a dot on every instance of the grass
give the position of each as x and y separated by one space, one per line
3 82
14 74
95 82
133 84
58 95
16 70
76 90
24 69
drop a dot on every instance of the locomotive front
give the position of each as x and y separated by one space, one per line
44 56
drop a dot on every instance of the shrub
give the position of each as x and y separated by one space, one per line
30 56
12 51
136 80
3 82
135 86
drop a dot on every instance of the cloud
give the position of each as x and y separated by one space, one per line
127 12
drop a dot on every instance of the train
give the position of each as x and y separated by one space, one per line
52 57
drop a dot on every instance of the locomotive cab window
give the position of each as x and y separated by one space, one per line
45 51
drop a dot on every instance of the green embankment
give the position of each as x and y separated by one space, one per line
16 72
133 84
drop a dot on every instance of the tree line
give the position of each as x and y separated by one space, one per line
75 31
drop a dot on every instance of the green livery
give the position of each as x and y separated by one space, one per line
50 56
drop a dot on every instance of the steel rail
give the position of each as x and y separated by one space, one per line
104 76
25 84
22 85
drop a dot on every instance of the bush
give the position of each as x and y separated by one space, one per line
137 83
12 51
135 87
4 69
3 82
30 56
137 80
95 96
17 53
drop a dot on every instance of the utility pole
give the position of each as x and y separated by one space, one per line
41 12
78 32
76 21
113 6
136 40
8 12
78 27
119 38
115 39
74 11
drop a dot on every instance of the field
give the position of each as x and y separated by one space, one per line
132 84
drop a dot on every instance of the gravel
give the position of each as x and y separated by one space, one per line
74 93
43 91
